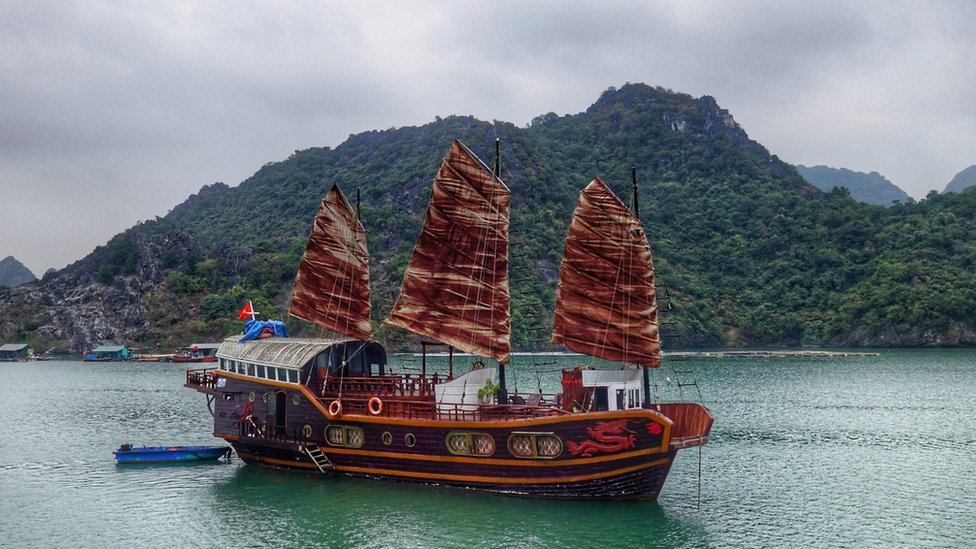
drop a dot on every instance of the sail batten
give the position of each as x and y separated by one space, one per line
332 286
606 305
455 287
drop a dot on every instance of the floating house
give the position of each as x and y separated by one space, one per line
10 352
108 353
198 352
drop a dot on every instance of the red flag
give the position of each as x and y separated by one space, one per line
247 311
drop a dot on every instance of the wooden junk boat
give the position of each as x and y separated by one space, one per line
333 406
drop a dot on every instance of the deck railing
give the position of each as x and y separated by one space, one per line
201 378
294 435
404 385
429 409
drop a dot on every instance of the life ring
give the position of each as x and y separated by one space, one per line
335 408
375 406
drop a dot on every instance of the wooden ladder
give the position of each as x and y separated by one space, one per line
319 458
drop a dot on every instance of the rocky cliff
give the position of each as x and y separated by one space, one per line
103 298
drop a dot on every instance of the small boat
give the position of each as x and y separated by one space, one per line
198 352
162 454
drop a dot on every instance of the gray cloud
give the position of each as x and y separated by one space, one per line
114 112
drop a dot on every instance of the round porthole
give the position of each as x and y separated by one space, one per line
410 440
307 431
264 398
251 396
296 400
387 438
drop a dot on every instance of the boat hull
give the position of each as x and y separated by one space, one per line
641 479
169 454
601 455
193 359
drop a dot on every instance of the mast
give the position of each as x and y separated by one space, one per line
502 388
636 209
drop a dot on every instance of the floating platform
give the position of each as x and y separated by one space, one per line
764 354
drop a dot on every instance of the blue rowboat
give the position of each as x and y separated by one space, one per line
162 454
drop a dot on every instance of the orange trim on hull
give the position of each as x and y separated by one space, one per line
477 461
501 480
462 478
490 461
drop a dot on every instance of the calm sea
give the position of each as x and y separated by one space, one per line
873 451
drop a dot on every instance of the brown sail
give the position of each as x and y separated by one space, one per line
605 301
455 288
332 286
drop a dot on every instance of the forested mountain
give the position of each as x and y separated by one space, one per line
963 180
750 253
872 187
14 273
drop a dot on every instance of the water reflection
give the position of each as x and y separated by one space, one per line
338 511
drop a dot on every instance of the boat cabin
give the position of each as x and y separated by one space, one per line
108 353
308 362
198 352
588 390
203 350
10 352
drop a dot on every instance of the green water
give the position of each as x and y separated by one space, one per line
805 452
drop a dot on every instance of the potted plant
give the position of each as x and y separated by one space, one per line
488 393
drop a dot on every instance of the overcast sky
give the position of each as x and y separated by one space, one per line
115 112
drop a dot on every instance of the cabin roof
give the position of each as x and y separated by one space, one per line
598 378
284 352
108 349
14 346
205 346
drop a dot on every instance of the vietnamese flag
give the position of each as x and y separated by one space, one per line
247 311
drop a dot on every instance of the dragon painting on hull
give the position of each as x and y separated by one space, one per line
608 438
